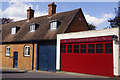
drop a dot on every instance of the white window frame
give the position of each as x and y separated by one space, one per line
7 51
27 51
13 30
32 28
53 25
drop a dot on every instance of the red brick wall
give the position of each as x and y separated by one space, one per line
78 25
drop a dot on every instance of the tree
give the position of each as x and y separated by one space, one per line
5 20
116 21
91 27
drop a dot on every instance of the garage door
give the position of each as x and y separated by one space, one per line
47 58
88 57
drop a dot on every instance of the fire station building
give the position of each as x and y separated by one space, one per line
91 52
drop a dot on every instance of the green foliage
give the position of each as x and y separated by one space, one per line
115 22
91 27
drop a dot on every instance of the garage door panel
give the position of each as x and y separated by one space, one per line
47 57
79 65
52 58
100 65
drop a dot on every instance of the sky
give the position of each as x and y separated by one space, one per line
96 13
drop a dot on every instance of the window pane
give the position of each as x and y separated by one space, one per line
99 48
91 48
108 48
83 48
13 31
63 48
32 28
27 51
53 25
76 48
90 45
7 51
108 45
69 48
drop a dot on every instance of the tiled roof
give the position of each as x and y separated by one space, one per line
43 31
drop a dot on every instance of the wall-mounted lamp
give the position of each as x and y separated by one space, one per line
114 37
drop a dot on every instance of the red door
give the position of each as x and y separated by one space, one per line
90 58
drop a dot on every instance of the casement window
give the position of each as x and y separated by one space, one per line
63 48
13 30
76 48
27 51
7 51
99 48
91 48
32 27
83 48
53 25
69 48
108 48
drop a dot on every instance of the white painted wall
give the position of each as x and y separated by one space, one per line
119 54
92 33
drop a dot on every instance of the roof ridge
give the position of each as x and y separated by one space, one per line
46 15
69 11
58 13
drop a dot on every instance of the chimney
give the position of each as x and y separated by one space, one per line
30 13
52 9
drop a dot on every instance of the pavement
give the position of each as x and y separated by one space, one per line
12 73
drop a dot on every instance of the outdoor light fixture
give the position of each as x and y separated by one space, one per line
114 37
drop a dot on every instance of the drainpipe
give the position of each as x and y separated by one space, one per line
33 57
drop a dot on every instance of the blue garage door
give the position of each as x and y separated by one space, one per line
47 58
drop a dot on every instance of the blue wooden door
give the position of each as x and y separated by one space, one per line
47 58
15 60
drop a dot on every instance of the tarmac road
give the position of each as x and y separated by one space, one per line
15 74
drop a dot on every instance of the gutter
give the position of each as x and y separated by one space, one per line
26 41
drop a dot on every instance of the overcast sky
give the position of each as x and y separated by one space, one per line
96 13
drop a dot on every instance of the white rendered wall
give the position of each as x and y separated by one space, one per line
92 33
119 55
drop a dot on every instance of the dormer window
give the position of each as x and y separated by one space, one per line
32 27
14 30
53 25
